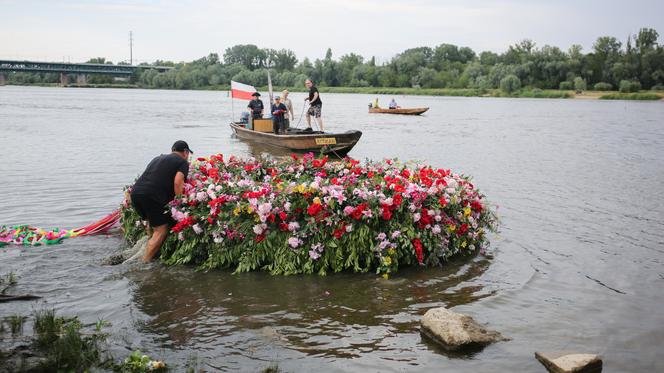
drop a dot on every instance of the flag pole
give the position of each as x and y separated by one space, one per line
232 107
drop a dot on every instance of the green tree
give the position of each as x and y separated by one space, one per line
510 84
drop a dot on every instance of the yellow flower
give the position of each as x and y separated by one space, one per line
280 186
391 251
386 276
451 227
466 211
464 244
387 260
236 211
301 188
317 200
250 209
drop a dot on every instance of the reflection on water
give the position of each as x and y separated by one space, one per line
578 264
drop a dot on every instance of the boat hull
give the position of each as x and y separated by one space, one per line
413 111
327 143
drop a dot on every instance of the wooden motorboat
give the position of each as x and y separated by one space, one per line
318 142
403 111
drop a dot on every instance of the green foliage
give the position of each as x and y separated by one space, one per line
16 323
510 84
65 346
601 86
579 84
640 58
627 86
566 86
632 96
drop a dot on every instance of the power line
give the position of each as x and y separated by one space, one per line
131 48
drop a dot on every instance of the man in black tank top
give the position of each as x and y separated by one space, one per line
315 105
161 181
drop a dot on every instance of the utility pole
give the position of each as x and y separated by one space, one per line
131 48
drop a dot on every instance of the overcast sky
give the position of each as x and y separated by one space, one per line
77 30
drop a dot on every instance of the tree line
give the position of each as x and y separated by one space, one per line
638 63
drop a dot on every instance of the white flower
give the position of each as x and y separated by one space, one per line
436 229
396 234
197 228
381 236
416 217
293 226
294 242
259 229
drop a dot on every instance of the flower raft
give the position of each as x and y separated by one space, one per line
306 215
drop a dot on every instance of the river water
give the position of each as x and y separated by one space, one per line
578 263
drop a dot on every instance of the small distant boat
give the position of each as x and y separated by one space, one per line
412 111
302 142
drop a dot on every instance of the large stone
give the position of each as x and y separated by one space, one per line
570 363
455 331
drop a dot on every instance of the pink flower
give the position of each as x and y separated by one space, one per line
294 242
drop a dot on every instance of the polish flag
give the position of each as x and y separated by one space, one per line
242 91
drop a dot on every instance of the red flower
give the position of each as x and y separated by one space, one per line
462 229
442 201
397 199
283 216
338 233
294 156
283 227
357 213
259 238
405 173
387 214
320 162
370 174
210 220
476 205
182 224
314 209
272 218
417 244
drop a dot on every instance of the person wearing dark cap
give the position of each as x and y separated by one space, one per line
279 111
162 180
256 106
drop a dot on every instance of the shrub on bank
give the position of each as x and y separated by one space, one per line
510 84
601 86
628 86
306 215
579 84
566 86
646 96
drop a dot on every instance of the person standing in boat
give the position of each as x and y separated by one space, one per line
279 112
290 116
256 106
315 105
162 180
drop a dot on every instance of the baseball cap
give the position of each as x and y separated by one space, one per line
180 146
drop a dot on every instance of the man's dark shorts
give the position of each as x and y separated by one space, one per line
315 110
151 210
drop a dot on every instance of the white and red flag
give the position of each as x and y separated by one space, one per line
242 91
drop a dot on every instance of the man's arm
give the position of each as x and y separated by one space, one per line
179 183
315 97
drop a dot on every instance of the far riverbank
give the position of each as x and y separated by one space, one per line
445 92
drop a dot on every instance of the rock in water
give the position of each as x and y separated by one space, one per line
455 331
570 363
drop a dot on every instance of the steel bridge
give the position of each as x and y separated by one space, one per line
80 70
